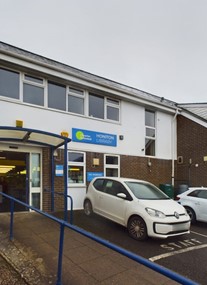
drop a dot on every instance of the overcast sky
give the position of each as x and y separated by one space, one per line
158 46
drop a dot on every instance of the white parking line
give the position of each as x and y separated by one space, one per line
154 258
198 234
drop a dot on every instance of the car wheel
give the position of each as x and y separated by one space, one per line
137 228
192 214
88 210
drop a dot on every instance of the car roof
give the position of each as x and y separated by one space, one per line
197 188
122 179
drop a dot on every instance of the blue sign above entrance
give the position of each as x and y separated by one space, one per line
85 136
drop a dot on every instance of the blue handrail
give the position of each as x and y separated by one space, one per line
71 203
164 271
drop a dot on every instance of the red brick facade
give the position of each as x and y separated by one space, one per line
159 172
192 148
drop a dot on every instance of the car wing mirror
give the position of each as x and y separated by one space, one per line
121 195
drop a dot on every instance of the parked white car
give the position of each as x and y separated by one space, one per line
138 205
195 202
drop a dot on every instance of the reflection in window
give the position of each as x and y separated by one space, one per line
56 96
33 94
150 133
35 165
75 105
76 168
36 200
96 106
76 101
9 83
112 109
112 165
75 174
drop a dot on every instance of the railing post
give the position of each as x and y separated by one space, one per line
60 257
11 219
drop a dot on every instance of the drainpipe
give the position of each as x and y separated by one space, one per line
173 146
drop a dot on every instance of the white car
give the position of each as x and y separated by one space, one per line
138 205
195 202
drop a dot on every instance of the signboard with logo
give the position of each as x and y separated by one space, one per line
86 136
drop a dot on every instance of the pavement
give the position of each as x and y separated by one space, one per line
31 258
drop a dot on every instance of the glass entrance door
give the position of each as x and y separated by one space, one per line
13 179
20 177
35 181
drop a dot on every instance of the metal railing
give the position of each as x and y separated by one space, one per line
164 271
71 204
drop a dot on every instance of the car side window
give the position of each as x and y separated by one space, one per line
115 187
194 193
99 185
202 194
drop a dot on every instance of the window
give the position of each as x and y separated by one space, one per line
33 90
96 106
112 109
199 194
76 168
56 96
112 166
150 133
99 184
9 83
76 101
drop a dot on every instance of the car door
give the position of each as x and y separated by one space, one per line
201 205
112 206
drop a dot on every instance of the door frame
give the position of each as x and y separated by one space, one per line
28 150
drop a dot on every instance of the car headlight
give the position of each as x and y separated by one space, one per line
155 213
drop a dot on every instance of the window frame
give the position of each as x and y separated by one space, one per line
34 84
75 163
76 95
60 85
111 166
19 83
151 128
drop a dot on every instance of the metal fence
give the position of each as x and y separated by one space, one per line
164 271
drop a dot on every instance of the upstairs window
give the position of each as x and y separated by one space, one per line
9 83
150 133
96 106
103 108
112 109
76 101
56 96
33 90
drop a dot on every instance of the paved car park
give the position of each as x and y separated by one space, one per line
185 254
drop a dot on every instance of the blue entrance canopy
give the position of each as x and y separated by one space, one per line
42 138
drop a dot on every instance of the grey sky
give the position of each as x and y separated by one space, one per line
158 46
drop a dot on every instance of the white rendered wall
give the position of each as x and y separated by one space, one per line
132 127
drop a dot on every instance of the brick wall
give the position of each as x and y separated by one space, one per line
58 181
192 146
159 172
130 166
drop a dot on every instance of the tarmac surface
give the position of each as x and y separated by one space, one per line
32 257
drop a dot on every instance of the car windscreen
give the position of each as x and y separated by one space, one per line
146 191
